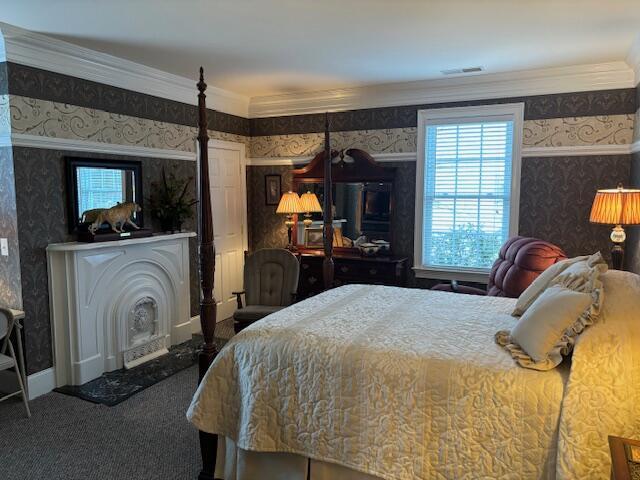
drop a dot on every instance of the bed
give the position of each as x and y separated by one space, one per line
373 382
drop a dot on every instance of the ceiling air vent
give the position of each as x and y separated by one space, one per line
458 71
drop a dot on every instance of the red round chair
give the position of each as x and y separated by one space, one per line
520 261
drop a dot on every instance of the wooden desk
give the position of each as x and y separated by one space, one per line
622 467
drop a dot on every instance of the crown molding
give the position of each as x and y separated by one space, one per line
603 76
633 60
40 51
36 50
73 145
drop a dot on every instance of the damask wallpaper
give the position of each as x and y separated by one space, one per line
42 220
579 104
61 120
266 229
632 253
555 200
555 132
40 84
556 192
633 233
10 287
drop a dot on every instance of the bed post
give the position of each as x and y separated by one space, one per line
208 442
327 265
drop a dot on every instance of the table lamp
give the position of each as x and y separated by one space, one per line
616 206
310 204
289 205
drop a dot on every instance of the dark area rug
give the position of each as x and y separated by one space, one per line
115 387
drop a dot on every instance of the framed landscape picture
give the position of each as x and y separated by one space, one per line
272 188
313 237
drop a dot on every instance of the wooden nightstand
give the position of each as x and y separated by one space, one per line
625 458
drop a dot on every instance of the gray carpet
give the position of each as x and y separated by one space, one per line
145 437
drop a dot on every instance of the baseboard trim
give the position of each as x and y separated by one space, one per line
41 382
195 324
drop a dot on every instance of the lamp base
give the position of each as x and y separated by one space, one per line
289 223
617 256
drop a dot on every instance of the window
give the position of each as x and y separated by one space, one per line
467 190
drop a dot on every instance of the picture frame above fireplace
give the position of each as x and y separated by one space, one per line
94 184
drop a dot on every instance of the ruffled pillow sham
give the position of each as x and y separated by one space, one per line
549 327
543 280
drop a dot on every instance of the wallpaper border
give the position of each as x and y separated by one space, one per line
46 85
538 107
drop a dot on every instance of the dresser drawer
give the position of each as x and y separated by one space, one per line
368 272
348 270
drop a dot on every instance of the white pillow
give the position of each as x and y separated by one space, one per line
549 327
543 280
544 322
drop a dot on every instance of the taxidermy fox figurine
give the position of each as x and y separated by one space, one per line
117 217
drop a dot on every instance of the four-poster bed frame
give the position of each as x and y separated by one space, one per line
209 442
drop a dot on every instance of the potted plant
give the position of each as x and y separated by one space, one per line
169 203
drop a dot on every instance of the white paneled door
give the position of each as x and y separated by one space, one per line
229 206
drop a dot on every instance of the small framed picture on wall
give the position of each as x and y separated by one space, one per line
272 188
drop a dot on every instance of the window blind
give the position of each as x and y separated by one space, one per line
99 188
467 193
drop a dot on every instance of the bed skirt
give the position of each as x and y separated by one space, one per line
234 463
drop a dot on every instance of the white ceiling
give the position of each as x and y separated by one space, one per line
265 47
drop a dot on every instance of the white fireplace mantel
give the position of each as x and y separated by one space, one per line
116 304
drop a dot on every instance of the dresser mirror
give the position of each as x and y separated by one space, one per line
362 203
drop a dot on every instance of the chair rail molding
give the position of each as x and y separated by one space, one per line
77 145
36 50
603 76
303 160
527 152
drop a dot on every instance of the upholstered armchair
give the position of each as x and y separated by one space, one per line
520 261
270 284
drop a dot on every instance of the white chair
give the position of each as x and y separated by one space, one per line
7 324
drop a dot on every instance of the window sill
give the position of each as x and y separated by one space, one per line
478 276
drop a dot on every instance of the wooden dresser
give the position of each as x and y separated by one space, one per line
349 268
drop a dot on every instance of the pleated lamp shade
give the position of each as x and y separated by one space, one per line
290 203
310 203
616 206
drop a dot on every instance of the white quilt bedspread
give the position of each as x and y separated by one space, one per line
397 383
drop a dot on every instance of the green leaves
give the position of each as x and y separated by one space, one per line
168 201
